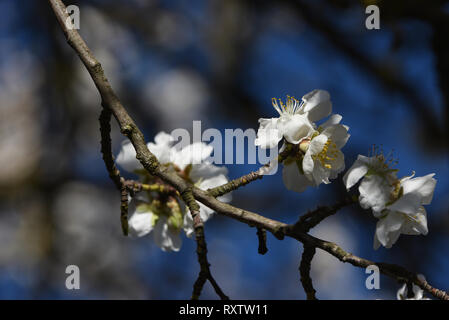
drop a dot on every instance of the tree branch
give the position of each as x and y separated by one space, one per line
313 218
304 271
262 236
201 249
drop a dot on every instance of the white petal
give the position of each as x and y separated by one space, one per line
205 212
140 223
338 165
402 292
356 172
127 157
308 165
407 203
295 128
318 105
206 171
388 229
374 193
188 224
422 186
166 238
194 153
417 223
317 144
320 174
162 152
268 135
271 168
338 133
333 120
293 179
163 138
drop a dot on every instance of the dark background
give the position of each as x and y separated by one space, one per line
220 62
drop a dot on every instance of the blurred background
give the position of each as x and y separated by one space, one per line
220 62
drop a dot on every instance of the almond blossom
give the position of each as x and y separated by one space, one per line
165 219
316 156
319 157
397 203
296 119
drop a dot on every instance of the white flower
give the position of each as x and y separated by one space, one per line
151 218
418 293
319 158
377 184
166 152
296 119
397 203
162 220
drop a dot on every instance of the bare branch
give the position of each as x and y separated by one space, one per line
313 218
304 271
262 236
201 250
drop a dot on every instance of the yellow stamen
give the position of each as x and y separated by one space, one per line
328 154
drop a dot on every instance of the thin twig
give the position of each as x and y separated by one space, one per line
262 236
201 250
252 176
313 218
304 271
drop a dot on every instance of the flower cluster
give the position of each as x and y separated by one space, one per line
161 215
396 203
317 156
314 156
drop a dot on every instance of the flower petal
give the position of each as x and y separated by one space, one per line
374 193
293 179
408 203
338 165
295 128
140 223
268 135
188 224
127 157
388 229
163 138
206 171
422 186
338 133
166 238
416 224
356 172
333 120
194 153
318 104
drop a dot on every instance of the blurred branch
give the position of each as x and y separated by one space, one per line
191 193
